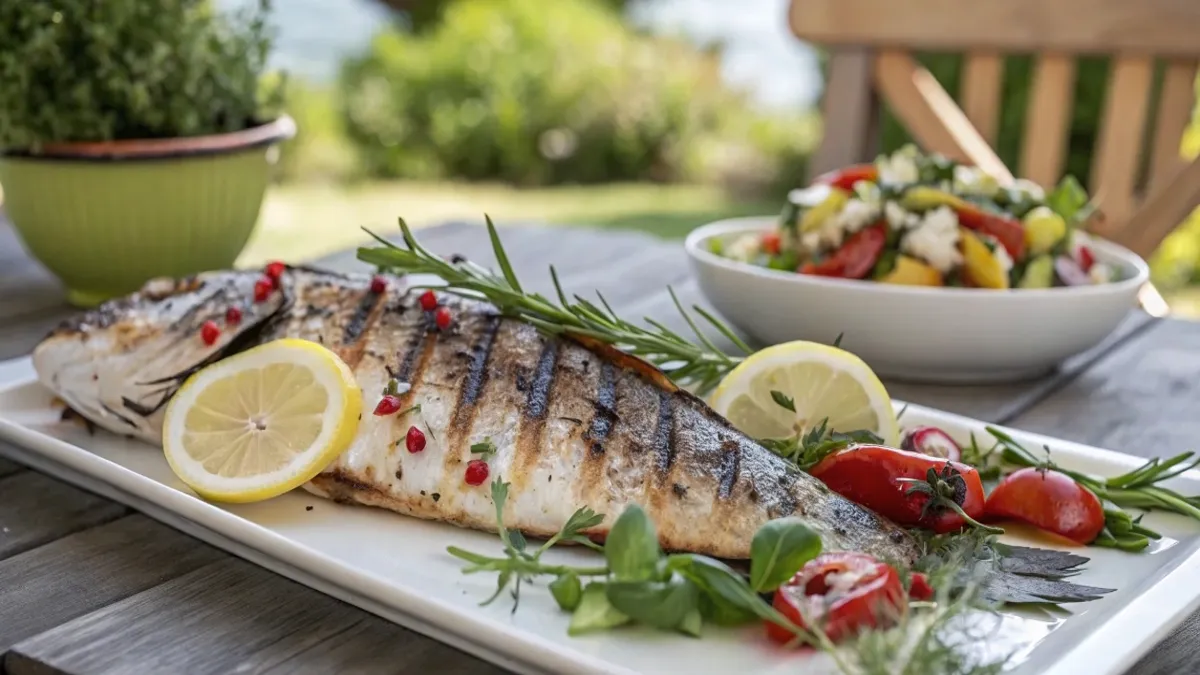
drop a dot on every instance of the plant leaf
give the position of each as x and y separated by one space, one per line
779 549
662 604
632 546
567 591
783 400
595 612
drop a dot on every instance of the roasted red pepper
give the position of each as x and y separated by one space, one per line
847 177
1049 500
872 475
839 594
1009 232
855 258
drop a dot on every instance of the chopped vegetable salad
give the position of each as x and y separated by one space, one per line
925 220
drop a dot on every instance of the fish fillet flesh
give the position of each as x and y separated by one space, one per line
572 425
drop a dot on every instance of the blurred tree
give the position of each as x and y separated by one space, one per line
423 14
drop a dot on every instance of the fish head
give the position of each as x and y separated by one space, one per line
118 364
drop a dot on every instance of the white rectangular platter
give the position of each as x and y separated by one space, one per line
397 567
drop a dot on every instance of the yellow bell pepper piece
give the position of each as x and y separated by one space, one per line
1043 229
814 217
980 267
912 272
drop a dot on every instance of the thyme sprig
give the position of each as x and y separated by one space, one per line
700 364
1140 488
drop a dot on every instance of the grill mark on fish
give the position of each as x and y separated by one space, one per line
477 374
731 461
357 324
118 415
537 401
202 304
664 432
413 350
532 426
605 407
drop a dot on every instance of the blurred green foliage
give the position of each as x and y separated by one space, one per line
535 93
81 70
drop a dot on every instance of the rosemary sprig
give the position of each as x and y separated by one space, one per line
1140 488
698 365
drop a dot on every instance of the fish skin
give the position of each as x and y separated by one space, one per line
571 427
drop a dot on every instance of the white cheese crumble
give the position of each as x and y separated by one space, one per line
899 218
900 168
854 216
745 248
1029 189
935 240
1100 273
1001 255
970 180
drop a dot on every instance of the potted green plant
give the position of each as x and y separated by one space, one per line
135 137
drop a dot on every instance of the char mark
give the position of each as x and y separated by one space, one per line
118 415
477 373
146 410
537 401
358 321
183 324
664 452
605 408
413 349
730 463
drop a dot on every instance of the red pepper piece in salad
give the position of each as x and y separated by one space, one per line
1008 231
839 594
1049 500
883 479
771 243
856 257
846 178
919 587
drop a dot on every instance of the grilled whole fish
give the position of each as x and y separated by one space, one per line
571 426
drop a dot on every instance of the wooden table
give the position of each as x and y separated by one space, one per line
88 586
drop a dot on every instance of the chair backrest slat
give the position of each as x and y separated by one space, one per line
1174 113
1118 148
1163 27
851 111
1048 119
982 76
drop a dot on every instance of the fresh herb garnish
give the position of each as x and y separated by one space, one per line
807 449
783 400
1140 488
701 364
485 447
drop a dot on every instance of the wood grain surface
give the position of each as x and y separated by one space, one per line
88 588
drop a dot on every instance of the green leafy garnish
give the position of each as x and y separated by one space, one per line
807 449
485 447
783 400
779 548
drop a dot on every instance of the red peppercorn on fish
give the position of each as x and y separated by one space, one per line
565 424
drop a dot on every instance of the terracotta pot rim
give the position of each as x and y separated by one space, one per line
279 129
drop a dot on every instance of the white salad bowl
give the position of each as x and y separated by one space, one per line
965 335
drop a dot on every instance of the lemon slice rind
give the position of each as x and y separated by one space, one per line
343 406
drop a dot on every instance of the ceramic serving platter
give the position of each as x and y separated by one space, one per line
397 567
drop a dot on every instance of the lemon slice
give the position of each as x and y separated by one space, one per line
821 382
255 425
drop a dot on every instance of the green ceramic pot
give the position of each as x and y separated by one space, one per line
106 217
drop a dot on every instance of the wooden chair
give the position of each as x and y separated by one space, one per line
871 44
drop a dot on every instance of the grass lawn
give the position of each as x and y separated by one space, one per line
303 221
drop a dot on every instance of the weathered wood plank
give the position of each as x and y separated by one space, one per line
36 509
255 623
847 106
8 468
1175 655
1163 212
1166 27
1044 144
1114 173
1175 106
982 77
80 573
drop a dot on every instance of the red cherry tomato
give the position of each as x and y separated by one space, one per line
919 588
1009 232
855 258
1050 500
847 177
931 441
840 594
770 242
867 474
